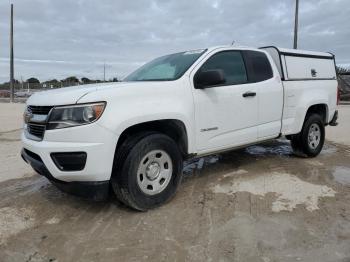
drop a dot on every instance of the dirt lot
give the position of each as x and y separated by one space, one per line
260 203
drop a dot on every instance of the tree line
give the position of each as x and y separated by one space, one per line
34 82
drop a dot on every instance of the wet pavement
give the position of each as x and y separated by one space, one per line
260 203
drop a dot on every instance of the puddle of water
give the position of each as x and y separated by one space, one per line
13 221
289 189
341 175
283 150
199 163
328 149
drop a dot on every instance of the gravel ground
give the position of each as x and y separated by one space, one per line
260 203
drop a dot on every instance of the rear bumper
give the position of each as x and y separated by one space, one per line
95 190
334 122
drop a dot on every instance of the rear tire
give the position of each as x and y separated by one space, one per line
148 171
310 140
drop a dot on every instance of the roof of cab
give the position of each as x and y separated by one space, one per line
232 47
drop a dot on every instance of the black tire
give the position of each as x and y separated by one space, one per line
289 137
300 142
296 145
125 172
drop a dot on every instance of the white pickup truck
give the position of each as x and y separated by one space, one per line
131 137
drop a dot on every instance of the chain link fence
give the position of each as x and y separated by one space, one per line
344 87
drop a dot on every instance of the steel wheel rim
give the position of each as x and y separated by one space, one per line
154 172
314 136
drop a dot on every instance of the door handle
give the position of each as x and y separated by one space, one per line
249 94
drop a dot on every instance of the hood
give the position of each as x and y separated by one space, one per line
68 95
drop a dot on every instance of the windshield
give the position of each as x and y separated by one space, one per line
166 68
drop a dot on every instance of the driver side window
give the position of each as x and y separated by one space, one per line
232 64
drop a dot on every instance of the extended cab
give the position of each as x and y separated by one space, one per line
132 136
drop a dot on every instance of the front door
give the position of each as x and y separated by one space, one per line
226 115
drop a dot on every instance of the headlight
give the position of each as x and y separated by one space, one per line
76 115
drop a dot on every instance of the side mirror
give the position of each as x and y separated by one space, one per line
209 78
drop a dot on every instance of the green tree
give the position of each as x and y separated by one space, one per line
71 79
52 82
33 80
86 80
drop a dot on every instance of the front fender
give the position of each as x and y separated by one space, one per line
119 127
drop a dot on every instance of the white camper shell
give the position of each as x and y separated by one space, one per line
302 65
308 78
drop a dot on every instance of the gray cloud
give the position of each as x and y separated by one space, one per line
55 39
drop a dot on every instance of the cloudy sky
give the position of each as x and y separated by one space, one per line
60 38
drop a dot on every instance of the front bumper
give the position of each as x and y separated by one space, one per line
97 191
90 180
96 141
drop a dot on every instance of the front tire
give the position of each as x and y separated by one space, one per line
309 142
148 171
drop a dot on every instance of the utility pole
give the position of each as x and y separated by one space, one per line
12 80
296 24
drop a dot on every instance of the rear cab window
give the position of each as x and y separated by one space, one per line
258 66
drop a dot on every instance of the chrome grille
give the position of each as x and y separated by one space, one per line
36 130
39 110
36 118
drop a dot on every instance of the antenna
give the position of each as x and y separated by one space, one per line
104 72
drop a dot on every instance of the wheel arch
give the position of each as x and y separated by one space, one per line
321 109
174 128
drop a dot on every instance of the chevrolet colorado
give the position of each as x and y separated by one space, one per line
131 137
